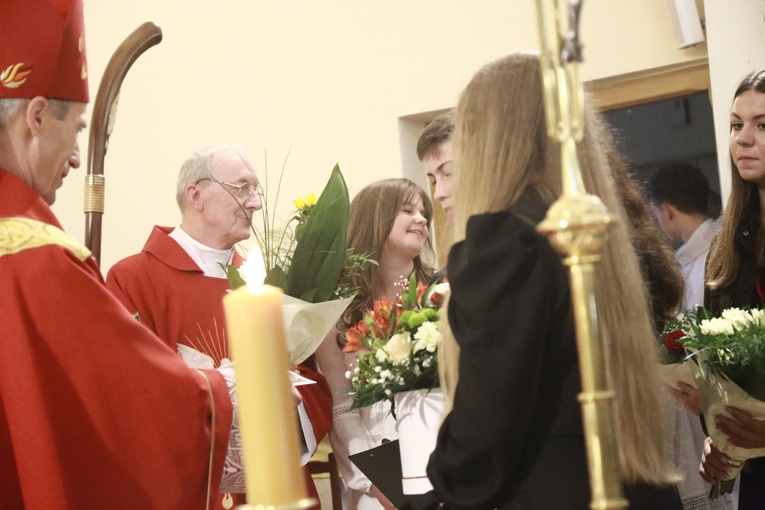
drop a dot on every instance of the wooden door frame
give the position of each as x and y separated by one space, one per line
650 85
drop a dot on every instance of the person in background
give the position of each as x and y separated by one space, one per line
734 274
175 286
95 410
434 148
514 429
390 220
680 198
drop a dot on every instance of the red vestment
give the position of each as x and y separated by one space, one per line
95 410
171 296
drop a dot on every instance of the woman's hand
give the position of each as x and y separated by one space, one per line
743 430
688 396
714 463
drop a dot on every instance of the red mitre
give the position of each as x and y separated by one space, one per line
42 50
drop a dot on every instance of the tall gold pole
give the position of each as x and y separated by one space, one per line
576 225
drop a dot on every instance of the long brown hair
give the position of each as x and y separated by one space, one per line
660 268
723 262
501 149
373 212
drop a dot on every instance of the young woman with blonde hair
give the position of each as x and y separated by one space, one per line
513 438
390 222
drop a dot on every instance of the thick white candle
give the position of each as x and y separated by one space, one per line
267 416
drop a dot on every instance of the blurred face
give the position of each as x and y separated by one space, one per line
409 231
229 203
747 136
666 218
439 168
54 148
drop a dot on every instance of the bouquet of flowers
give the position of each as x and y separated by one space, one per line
400 343
310 261
729 356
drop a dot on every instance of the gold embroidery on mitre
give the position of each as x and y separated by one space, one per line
81 44
15 75
19 234
84 72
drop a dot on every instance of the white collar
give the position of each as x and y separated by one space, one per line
699 241
208 259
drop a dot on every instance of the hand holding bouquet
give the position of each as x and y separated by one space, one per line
729 356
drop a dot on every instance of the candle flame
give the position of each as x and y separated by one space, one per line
253 270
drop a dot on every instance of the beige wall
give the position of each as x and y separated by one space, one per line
333 81
736 31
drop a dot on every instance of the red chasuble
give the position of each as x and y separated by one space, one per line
95 410
173 298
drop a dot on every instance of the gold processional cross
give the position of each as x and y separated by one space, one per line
576 225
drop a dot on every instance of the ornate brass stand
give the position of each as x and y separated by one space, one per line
577 225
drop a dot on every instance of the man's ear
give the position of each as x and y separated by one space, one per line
194 197
668 210
35 114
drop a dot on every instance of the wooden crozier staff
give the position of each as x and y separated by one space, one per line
576 225
102 124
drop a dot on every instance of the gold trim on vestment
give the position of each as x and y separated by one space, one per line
212 437
19 234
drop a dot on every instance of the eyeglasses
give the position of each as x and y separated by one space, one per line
242 191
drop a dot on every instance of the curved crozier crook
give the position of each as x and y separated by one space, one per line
102 122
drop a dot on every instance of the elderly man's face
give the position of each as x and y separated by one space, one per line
54 149
227 210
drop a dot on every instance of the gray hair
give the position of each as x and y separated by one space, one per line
11 107
200 165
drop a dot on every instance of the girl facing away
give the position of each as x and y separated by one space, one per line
513 438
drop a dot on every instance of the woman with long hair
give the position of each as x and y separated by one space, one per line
735 275
513 437
390 223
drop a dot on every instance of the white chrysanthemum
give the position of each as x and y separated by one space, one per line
716 326
399 347
758 316
738 318
428 337
381 355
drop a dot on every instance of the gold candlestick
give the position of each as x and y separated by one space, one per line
267 417
577 225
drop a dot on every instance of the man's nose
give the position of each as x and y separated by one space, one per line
253 202
74 159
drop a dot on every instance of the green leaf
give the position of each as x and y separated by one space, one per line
234 279
276 277
321 250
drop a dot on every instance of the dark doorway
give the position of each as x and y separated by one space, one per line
675 130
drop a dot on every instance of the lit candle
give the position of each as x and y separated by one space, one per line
267 416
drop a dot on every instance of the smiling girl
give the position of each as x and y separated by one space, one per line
390 221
